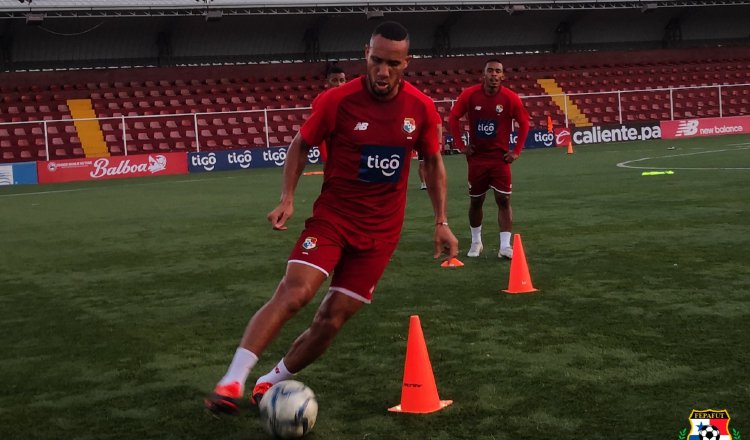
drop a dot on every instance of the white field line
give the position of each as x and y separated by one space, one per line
744 146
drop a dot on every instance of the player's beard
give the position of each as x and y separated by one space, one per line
380 92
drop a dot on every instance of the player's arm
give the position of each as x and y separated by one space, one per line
296 159
522 117
435 177
313 131
454 123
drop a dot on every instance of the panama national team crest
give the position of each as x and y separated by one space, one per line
498 109
410 125
709 424
310 243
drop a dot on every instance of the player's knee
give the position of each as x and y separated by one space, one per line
503 200
294 295
326 325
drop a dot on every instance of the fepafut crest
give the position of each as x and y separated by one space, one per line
709 424
410 125
310 243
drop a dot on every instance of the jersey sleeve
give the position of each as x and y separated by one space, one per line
454 120
320 124
430 138
522 117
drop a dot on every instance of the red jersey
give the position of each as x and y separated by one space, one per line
369 144
490 120
322 145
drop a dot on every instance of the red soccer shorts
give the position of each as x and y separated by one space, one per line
357 262
487 174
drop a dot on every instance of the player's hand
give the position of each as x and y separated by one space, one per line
445 242
280 215
510 157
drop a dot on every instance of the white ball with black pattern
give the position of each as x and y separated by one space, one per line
709 432
288 409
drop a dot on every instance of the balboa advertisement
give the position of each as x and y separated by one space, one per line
244 159
705 127
101 168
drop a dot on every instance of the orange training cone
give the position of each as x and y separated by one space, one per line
570 147
520 280
419 393
453 262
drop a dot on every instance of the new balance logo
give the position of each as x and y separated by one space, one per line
361 126
687 128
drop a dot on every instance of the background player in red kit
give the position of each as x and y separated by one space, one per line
491 109
335 77
371 125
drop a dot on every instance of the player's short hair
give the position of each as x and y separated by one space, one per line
333 70
392 31
493 60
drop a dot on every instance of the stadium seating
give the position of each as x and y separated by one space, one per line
253 106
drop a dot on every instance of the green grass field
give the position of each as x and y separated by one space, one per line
122 302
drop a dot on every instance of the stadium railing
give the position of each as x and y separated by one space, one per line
200 131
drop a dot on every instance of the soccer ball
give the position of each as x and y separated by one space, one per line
288 409
709 432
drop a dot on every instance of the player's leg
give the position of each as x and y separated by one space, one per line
314 256
478 187
476 214
353 283
333 313
505 221
501 184
296 289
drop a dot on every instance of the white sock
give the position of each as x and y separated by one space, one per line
504 240
244 360
476 234
277 374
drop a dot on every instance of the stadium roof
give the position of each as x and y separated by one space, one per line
73 8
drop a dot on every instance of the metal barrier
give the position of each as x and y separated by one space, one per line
715 91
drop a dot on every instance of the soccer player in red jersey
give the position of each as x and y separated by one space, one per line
335 77
491 110
371 125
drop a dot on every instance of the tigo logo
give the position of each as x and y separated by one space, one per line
361 126
387 165
687 128
486 128
381 164
208 163
313 156
277 157
242 159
